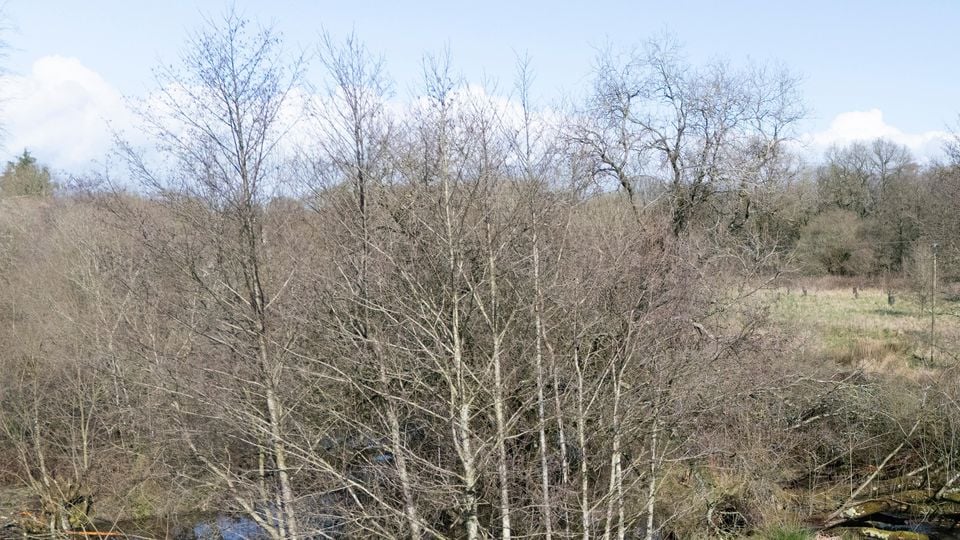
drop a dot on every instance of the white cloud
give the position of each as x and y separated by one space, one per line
868 125
61 111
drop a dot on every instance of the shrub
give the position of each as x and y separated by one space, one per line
833 242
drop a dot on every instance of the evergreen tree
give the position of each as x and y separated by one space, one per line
24 177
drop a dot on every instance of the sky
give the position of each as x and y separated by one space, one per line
868 68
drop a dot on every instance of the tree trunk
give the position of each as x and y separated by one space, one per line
615 490
541 399
278 448
582 441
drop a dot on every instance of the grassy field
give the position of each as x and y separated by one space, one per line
867 331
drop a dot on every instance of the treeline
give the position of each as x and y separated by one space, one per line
871 209
462 320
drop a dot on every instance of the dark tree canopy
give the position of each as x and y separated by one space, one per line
25 177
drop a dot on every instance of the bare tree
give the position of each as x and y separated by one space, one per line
217 132
703 132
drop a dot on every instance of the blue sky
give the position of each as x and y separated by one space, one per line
868 68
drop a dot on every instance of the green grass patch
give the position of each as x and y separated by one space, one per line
787 533
865 331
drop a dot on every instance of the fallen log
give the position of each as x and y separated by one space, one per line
868 518
872 532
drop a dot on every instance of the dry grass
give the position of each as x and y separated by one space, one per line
867 332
